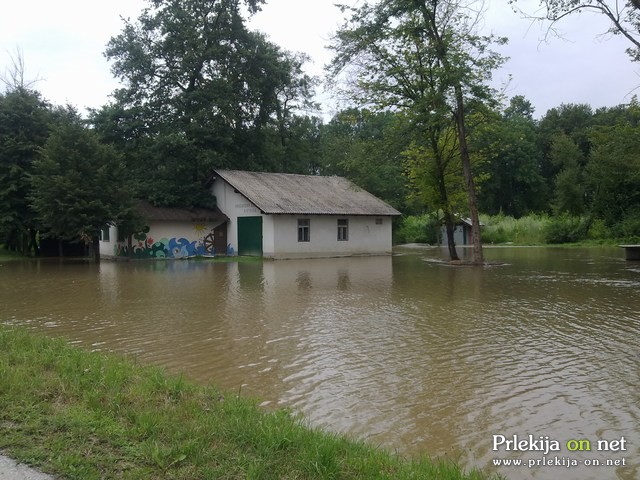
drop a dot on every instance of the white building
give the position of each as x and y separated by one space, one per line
281 215
273 215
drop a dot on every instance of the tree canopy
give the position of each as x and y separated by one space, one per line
25 122
425 59
200 91
79 186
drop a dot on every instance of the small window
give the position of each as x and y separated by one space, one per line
378 221
104 234
304 230
343 229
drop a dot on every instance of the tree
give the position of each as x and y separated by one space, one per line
613 175
569 185
25 122
573 120
624 17
79 185
366 147
433 171
513 183
196 78
421 57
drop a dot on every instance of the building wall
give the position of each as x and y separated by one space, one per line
163 239
365 236
460 235
107 247
233 205
280 232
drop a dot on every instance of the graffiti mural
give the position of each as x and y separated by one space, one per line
145 246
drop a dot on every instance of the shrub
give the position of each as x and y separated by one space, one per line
419 229
567 229
527 230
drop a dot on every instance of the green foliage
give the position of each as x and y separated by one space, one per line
425 60
203 91
566 228
513 183
25 122
365 147
613 174
419 229
569 185
527 230
79 185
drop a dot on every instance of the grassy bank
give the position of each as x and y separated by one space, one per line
533 229
93 416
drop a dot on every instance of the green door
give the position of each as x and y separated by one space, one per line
250 236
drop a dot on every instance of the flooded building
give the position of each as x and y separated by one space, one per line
282 215
274 215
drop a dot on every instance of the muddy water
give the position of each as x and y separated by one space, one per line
404 351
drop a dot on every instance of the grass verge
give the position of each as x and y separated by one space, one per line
87 415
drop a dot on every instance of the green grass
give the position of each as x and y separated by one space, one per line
83 415
500 229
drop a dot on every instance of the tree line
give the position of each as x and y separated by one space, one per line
201 91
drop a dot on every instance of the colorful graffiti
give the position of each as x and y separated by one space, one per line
144 246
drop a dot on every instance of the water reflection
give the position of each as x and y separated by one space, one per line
404 351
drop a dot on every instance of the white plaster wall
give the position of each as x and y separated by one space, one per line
234 205
107 248
280 232
365 237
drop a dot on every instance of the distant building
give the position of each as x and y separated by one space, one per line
462 234
273 215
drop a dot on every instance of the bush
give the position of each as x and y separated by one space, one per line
418 229
527 230
567 229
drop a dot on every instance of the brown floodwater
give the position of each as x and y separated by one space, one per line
405 352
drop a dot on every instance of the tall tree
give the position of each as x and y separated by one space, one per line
195 74
513 183
433 166
613 175
425 58
25 122
79 185
366 147
570 192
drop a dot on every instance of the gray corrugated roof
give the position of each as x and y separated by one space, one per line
285 193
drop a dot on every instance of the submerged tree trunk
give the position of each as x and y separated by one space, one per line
449 220
450 226
478 257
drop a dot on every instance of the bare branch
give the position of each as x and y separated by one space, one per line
13 77
625 18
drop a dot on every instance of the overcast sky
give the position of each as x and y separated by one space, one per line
63 44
